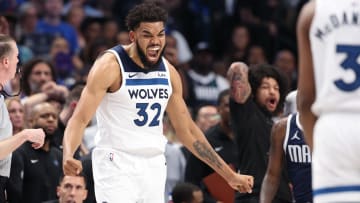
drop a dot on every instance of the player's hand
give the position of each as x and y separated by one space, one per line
36 136
71 166
242 183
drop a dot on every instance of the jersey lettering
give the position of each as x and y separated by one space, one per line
299 154
148 93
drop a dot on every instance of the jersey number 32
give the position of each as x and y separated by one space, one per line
144 117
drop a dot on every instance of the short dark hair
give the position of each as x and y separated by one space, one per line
81 174
183 192
145 12
259 72
5 47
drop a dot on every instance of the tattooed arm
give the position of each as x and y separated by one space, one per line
194 140
239 82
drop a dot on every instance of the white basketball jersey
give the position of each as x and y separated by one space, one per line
130 119
335 47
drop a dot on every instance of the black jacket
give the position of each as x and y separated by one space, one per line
252 126
34 174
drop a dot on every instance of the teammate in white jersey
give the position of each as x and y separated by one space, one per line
130 88
329 96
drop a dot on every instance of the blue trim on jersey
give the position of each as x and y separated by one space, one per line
330 190
151 81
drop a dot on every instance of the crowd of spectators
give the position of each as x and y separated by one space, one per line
59 40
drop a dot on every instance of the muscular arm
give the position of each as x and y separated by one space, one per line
103 75
191 136
306 87
239 82
272 177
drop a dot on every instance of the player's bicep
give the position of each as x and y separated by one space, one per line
176 108
103 74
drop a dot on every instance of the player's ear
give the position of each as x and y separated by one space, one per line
58 191
5 61
132 36
85 194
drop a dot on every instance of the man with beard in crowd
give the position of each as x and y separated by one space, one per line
35 173
257 96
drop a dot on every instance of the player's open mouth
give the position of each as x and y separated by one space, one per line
153 52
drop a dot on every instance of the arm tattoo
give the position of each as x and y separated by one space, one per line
206 153
236 77
240 84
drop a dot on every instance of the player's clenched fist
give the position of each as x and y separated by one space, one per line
35 136
242 183
71 166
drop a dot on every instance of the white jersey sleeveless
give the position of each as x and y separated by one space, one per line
335 47
130 119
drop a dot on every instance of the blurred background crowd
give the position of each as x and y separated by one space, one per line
59 40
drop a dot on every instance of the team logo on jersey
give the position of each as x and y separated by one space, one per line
295 137
132 75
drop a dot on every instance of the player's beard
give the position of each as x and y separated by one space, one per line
147 64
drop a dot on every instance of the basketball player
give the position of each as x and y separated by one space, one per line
288 145
329 96
130 88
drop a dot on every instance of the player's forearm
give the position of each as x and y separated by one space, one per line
269 188
10 144
72 137
307 120
201 148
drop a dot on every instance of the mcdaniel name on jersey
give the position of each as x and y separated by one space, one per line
344 18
